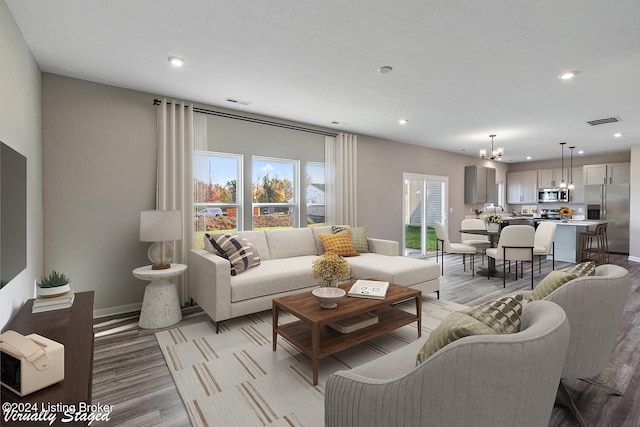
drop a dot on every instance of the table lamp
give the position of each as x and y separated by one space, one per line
160 227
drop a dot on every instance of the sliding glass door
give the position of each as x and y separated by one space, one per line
424 202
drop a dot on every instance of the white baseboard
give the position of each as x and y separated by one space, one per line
634 259
110 311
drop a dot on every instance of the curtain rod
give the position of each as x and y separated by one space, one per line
253 120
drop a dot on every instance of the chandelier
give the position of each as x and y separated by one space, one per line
496 154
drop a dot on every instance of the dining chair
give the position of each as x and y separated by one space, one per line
516 243
446 246
543 243
481 243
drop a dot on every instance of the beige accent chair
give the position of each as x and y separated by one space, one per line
594 306
543 244
482 380
481 243
453 248
515 244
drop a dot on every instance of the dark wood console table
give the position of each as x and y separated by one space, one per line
73 327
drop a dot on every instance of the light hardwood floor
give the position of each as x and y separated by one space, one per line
131 374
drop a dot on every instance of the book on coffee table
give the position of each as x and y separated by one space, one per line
369 289
354 323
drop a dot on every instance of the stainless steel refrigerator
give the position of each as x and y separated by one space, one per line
610 202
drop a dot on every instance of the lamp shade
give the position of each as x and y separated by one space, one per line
160 226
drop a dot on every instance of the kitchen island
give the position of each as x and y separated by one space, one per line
567 238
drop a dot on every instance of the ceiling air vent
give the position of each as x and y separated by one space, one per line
603 121
238 101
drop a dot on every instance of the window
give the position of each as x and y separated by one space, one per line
315 192
275 193
499 194
217 193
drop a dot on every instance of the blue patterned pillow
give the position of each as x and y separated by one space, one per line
240 253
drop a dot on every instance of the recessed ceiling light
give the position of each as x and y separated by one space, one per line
528 157
581 152
617 135
403 121
175 61
568 75
385 69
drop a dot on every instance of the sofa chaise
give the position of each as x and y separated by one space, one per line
285 268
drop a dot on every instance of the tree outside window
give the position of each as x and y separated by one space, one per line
217 185
274 193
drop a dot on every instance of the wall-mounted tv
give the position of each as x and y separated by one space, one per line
13 213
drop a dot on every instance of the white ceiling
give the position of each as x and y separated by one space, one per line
461 69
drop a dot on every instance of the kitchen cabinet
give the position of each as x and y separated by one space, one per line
522 187
577 194
611 173
479 185
545 178
550 178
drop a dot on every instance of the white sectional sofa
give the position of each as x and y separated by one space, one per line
285 268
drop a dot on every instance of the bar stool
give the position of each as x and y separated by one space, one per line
595 242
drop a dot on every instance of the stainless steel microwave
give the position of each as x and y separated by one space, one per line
551 195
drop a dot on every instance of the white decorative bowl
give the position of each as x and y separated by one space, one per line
329 297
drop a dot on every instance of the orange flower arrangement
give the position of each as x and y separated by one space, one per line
565 212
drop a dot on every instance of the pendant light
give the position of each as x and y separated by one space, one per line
563 184
570 177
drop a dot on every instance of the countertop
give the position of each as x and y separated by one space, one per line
579 222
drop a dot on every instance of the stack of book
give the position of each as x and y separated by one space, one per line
42 304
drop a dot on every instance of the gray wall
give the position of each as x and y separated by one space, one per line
634 211
99 149
20 129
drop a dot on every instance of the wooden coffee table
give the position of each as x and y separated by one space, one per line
316 340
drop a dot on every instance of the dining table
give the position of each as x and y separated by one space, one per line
490 271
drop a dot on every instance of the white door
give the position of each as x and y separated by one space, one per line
425 201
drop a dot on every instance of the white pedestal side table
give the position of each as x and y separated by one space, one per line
161 306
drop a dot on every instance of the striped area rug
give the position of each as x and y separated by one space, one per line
235 379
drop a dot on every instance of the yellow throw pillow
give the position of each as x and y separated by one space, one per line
338 244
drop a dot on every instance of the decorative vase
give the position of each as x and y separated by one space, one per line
330 283
494 227
53 292
565 219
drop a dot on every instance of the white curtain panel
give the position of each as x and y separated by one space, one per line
341 171
199 146
174 175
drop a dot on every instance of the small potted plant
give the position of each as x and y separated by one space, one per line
493 222
477 212
54 284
